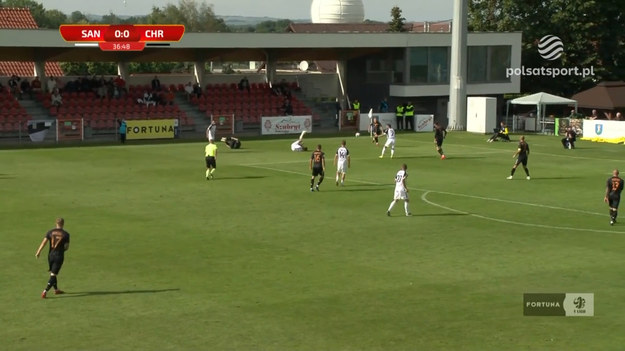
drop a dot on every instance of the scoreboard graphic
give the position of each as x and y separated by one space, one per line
121 37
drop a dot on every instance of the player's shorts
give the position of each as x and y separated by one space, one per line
400 195
439 142
55 262
317 171
296 147
341 167
521 160
390 142
614 200
236 144
211 162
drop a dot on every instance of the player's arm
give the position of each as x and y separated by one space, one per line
310 163
518 151
336 157
349 161
43 244
607 191
323 163
444 133
403 182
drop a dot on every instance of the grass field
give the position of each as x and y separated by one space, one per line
162 259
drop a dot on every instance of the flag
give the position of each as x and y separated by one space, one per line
37 129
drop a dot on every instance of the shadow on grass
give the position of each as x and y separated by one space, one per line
6 176
120 292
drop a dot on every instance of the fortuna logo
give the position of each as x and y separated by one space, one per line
542 304
598 129
579 302
550 47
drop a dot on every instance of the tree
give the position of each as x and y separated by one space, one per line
78 17
591 32
195 17
397 23
278 26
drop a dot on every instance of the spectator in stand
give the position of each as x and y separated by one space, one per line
56 99
156 84
593 115
14 85
383 106
287 107
197 90
25 88
188 89
169 97
35 86
244 84
120 84
51 84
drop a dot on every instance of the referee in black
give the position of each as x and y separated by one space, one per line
614 186
59 243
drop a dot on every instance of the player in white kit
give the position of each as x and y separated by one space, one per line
401 190
390 140
298 145
342 161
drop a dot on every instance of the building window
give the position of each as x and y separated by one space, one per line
418 65
488 63
499 62
429 65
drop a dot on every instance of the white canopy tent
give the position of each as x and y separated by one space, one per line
541 100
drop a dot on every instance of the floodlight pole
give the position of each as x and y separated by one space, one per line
457 109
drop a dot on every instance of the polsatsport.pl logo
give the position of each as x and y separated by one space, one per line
550 47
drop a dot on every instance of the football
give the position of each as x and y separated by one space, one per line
357 134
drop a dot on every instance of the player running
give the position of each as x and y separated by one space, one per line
390 140
376 130
401 190
439 135
342 161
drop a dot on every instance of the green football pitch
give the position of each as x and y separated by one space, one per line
163 259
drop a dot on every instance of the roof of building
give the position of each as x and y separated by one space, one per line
371 27
21 18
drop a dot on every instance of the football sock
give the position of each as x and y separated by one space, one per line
212 170
406 207
391 206
527 171
440 151
512 171
392 152
320 180
337 178
51 282
207 173
312 182
615 214
383 150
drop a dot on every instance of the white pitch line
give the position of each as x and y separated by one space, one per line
424 198
426 191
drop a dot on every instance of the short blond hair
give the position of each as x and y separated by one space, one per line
60 221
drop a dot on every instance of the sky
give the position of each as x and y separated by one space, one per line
378 10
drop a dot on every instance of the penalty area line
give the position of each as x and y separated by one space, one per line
499 220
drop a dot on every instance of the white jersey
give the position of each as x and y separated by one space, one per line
210 132
401 192
390 134
341 165
295 146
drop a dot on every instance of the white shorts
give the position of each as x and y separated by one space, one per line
401 194
341 167
390 142
296 147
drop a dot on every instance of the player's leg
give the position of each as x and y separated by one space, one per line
338 175
321 176
312 181
213 167
527 171
516 164
383 151
390 207
406 207
392 149
208 169
343 178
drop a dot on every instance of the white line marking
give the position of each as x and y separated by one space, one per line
426 191
424 198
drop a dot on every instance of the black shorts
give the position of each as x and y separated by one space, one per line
613 200
439 142
236 144
55 262
317 171
521 160
211 162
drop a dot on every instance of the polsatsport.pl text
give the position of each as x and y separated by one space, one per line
550 71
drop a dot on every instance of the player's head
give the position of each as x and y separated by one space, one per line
522 138
343 143
388 125
210 141
60 222
615 173
436 124
319 147
404 167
